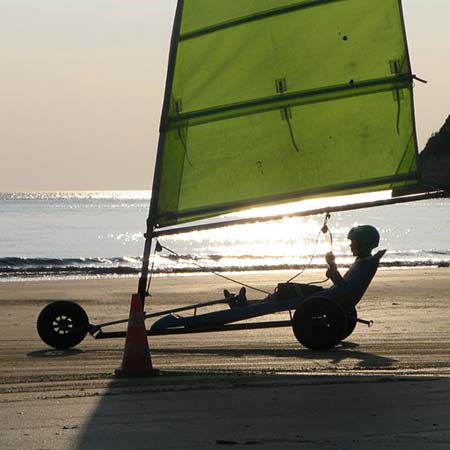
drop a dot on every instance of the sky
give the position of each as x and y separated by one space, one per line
82 85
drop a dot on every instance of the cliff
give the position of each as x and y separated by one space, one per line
434 160
434 163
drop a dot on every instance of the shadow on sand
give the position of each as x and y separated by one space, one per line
216 409
52 353
213 410
344 351
210 411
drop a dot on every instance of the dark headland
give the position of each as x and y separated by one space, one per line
434 163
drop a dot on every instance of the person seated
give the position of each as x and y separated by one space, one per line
363 239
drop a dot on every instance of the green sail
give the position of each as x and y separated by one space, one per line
275 100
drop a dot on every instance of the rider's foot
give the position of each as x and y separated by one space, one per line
236 300
242 298
231 298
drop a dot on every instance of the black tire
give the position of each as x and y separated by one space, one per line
319 323
62 324
352 315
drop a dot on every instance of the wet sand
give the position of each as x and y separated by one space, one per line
385 387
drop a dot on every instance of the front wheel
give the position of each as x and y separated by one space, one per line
319 323
62 324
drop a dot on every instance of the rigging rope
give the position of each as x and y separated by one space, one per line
159 247
325 229
214 273
291 131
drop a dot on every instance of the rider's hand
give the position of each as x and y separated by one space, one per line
330 259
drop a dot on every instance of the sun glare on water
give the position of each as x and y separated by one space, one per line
286 241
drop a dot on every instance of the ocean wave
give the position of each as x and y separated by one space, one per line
19 262
76 195
440 252
31 268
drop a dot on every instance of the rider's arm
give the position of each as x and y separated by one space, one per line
333 272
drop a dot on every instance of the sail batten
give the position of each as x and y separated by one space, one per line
351 89
313 101
214 210
254 17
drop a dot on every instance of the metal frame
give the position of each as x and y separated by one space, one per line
97 332
266 307
217 328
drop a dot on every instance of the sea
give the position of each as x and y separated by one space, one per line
54 235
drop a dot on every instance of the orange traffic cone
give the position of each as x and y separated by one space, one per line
137 361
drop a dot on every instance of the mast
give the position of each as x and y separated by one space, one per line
151 222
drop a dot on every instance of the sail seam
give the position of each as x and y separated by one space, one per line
289 99
291 196
254 17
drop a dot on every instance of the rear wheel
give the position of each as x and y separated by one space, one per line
62 324
319 323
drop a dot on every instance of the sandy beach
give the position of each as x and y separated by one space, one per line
385 387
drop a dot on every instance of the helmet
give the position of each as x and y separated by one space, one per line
367 237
